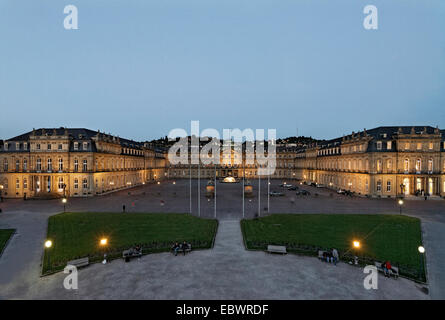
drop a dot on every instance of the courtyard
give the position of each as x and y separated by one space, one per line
225 271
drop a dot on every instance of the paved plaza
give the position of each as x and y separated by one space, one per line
224 272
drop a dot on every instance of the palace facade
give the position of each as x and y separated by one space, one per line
381 162
75 162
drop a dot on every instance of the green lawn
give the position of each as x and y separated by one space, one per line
382 237
5 234
77 235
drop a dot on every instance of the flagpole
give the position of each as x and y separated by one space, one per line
190 176
215 191
244 174
268 189
199 191
259 193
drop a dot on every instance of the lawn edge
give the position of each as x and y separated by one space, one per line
116 257
14 231
307 255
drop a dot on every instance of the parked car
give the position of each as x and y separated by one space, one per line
285 185
320 185
292 188
340 191
276 194
302 193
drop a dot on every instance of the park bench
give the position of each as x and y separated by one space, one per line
393 272
131 253
181 250
276 249
320 254
82 262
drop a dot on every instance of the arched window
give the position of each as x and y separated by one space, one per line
379 165
418 165
406 165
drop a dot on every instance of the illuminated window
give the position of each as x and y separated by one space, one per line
419 146
17 183
406 165
389 164
379 165
431 146
85 183
418 165
430 165
388 186
25 184
389 145
76 184
406 145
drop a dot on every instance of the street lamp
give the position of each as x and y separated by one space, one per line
421 250
64 201
48 245
103 243
400 205
356 244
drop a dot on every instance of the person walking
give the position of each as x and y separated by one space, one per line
335 255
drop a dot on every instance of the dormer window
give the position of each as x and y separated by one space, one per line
6 146
379 145
76 145
25 146
17 146
389 145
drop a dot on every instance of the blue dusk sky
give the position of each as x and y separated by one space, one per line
138 69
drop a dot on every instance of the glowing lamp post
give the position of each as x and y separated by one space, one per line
103 243
356 245
400 205
48 245
64 201
421 250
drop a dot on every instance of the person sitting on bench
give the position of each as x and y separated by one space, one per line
386 268
184 246
176 248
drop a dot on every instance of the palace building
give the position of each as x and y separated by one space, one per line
381 162
75 162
